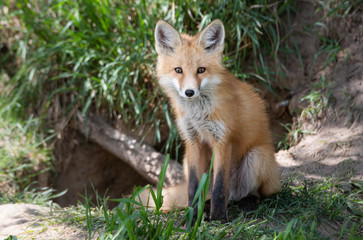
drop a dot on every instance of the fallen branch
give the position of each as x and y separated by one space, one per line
143 158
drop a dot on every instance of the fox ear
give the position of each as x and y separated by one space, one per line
166 38
212 37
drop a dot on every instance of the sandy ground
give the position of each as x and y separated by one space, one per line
29 221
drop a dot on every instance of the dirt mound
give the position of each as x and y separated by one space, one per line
331 94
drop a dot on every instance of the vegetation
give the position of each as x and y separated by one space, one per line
302 210
24 157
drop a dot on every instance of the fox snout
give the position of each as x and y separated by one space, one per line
189 92
188 88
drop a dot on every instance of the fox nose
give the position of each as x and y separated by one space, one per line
189 92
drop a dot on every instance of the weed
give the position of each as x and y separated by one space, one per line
294 134
316 103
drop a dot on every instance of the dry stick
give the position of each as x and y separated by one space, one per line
141 157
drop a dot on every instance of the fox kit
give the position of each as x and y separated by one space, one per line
214 112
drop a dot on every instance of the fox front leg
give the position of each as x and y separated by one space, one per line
221 175
195 166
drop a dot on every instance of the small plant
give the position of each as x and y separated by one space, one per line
293 135
317 100
316 103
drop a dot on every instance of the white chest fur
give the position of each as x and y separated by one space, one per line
196 121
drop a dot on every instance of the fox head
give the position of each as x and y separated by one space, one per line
188 66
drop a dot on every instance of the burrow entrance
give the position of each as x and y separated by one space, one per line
83 166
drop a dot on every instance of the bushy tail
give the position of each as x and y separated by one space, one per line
175 197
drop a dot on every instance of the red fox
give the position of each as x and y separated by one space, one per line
214 112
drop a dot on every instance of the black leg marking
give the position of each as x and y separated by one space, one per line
218 209
192 189
207 210
193 186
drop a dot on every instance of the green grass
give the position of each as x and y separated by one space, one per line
303 210
24 155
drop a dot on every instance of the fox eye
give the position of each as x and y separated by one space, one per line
178 70
201 70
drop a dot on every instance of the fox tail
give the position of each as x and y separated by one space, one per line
174 197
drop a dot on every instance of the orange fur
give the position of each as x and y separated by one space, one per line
224 114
